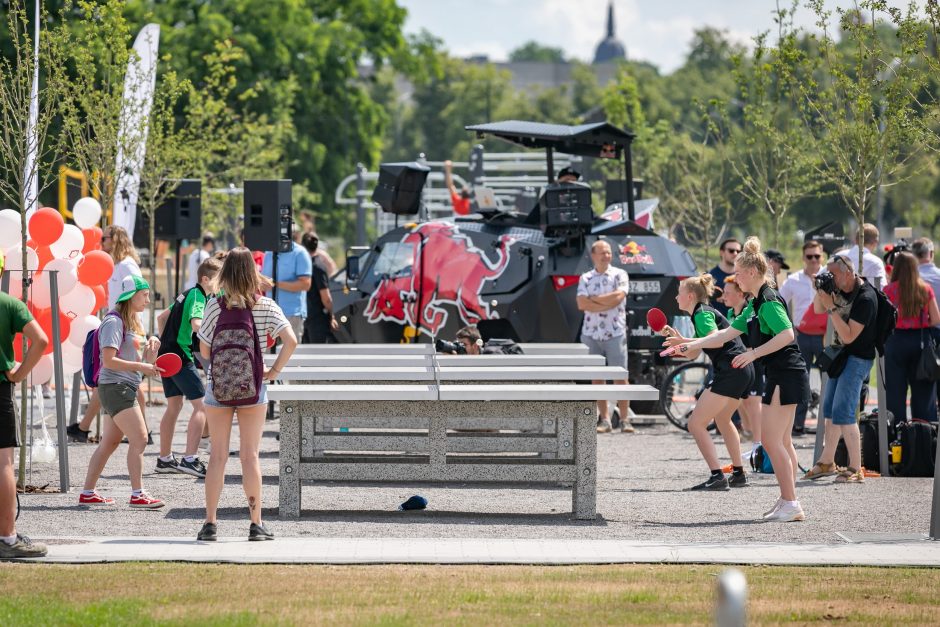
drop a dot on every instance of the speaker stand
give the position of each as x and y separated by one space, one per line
176 285
270 415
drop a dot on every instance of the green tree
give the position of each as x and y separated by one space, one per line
775 159
534 51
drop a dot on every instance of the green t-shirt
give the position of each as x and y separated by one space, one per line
13 317
193 307
772 317
704 323
177 336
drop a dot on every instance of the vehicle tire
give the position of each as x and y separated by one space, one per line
681 389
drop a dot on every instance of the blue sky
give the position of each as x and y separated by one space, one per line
652 30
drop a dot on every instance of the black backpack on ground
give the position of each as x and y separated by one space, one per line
868 428
918 449
499 346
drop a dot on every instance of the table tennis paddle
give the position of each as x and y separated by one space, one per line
169 363
656 319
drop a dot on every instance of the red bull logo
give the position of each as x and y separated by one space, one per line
447 269
633 253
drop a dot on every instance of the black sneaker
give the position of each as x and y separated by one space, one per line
738 480
195 468
259 532
23 547
76 434
207 533
170 466
715 482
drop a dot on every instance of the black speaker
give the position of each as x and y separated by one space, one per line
268 215
399 188
178 218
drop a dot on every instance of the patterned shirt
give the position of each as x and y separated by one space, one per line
604 325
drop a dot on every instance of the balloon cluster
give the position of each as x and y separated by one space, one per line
83 270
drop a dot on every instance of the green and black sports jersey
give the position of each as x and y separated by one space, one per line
706 320
769 311
178 336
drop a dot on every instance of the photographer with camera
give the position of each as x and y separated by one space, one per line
852 306
917 313
467 341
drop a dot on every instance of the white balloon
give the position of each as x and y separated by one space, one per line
86 213
69 244
80 328
78 303
42 372
14 259
10 228
71 358
68 279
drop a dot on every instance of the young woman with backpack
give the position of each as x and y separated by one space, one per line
235 326
726 389
750 409
786 382
125 356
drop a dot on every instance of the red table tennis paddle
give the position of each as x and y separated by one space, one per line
169 363
656 319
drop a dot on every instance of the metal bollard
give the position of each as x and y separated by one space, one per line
731 610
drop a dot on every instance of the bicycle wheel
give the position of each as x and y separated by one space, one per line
681 389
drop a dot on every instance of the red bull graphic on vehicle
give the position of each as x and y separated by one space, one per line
633 253
446 269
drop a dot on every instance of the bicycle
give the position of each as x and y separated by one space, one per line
681 388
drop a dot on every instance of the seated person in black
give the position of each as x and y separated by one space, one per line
727 387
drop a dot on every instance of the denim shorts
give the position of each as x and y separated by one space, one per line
209 399
186 382
843 392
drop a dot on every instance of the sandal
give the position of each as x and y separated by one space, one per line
820 469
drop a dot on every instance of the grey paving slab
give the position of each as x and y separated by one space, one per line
641 498
482 551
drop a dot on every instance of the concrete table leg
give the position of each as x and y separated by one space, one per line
584 495
289 456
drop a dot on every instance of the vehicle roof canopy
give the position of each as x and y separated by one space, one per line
586 140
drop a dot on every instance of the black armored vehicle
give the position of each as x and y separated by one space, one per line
514 274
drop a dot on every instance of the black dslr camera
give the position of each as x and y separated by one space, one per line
443 346
825 282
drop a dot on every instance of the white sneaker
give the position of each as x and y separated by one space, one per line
772 509
786 513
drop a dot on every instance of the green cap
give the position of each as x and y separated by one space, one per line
130 286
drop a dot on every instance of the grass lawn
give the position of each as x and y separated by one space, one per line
164 593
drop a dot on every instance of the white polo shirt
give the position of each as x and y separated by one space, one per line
798 291
872 265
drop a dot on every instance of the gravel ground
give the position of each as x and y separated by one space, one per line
641 496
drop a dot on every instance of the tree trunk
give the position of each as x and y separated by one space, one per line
24 406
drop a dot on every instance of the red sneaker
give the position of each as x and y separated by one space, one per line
145 501
94 499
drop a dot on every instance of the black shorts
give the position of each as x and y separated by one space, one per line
758 388
732 382
7 417
793 384
186 382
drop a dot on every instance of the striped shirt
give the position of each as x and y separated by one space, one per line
269 320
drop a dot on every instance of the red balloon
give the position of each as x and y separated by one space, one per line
101 296
95 268
44 318
45 256
18 348
92 239
46 226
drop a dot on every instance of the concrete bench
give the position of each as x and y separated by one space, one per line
534 348
451 374
572 406
341 361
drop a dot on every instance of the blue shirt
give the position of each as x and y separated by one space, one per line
290 267
931 276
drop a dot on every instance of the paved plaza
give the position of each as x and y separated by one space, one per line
645 514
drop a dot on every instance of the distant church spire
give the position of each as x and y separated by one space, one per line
610 20
610 49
